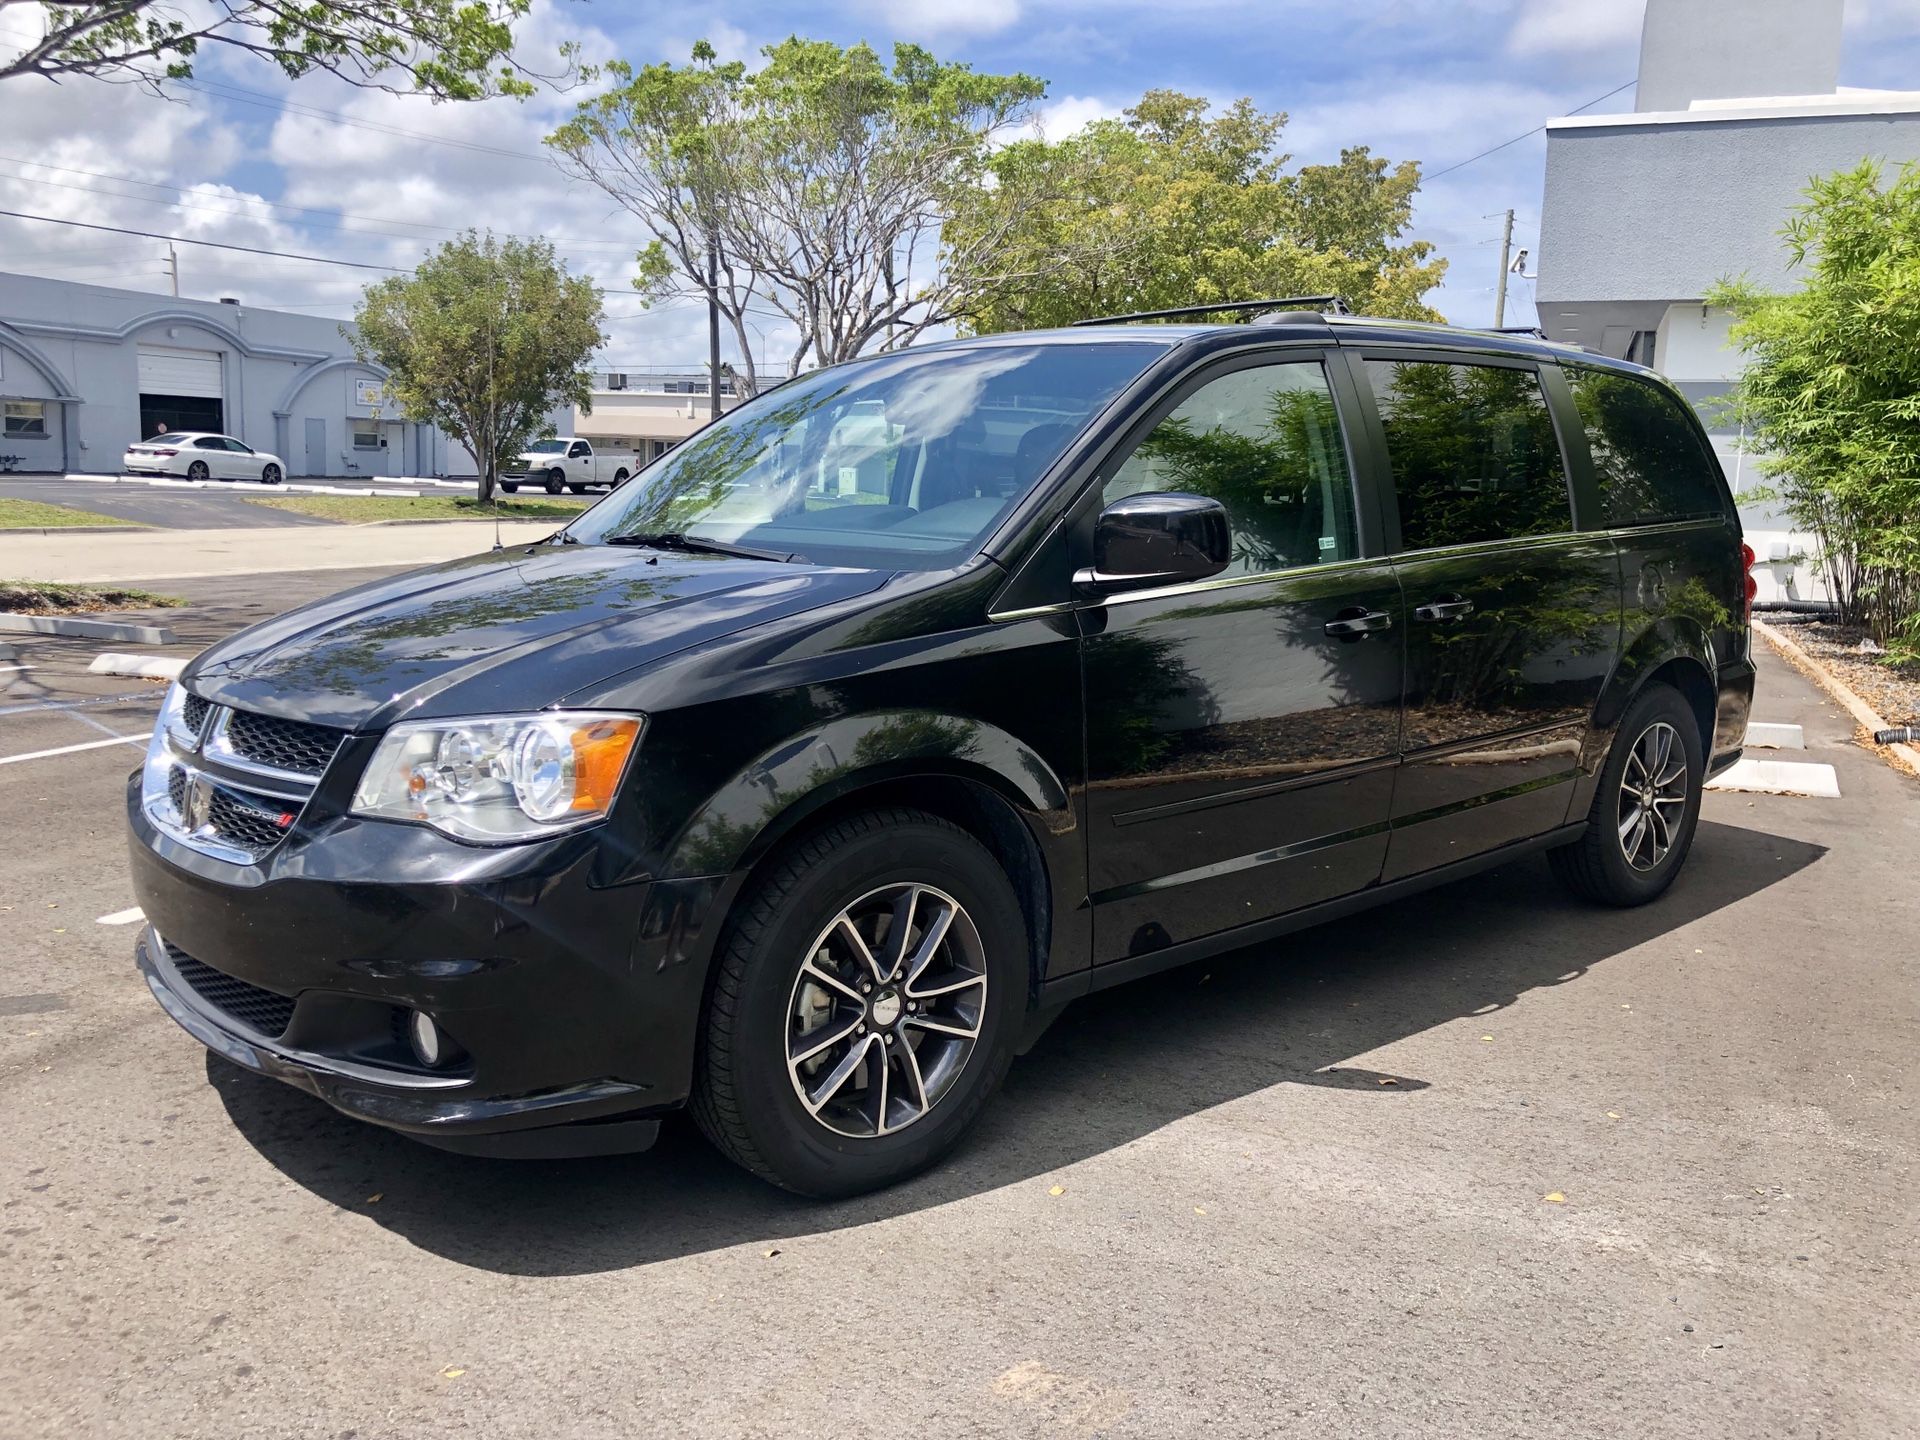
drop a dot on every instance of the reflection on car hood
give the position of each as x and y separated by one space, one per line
509 630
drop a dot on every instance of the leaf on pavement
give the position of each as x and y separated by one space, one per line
1554 1197
771 1253
452 1372
1058 1190
374 1199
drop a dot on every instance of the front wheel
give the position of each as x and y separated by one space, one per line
867 999
1641 824
556 481
270 475
510 488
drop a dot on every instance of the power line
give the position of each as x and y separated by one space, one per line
209 244
1462 164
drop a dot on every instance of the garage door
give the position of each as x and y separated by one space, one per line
165 371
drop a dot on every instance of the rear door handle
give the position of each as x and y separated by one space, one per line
1356 622
1447 607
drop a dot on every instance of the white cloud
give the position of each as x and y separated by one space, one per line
1070 114
919 20
1553 27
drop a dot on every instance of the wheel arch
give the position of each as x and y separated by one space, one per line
976 776
1674 650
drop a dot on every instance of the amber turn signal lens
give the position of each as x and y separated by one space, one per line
600 751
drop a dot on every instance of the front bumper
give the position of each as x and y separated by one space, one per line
577 1004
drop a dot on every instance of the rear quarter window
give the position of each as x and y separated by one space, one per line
1648 457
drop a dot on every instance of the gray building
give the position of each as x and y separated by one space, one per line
86 370
1643 213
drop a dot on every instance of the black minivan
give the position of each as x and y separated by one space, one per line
798 782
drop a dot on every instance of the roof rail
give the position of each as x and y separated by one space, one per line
1335 304
1533 330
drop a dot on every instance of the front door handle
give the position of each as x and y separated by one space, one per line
1447 607
1357 622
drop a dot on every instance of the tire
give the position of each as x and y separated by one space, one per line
619 478
198 470
747 1097
270 475
578 489
510 489
556 481
1621 862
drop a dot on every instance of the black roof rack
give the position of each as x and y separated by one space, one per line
1333 303
1533 330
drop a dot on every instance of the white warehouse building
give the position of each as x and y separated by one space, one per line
86 370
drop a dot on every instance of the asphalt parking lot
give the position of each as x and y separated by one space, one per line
1487 1162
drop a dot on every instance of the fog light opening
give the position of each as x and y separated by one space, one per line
431 1045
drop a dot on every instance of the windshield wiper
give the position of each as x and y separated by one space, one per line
700 544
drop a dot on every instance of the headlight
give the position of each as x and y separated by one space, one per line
506 777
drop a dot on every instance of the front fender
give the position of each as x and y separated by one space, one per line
779 788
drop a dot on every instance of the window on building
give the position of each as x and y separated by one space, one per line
1648 457
26 420
1473 453
366 434
1264 442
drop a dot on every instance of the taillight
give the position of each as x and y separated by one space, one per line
169 454
1747 557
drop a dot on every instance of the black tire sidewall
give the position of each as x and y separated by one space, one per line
510 489
805 1155
1656 703
555 484
199 466
270 476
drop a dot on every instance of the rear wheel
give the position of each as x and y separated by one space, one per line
1641 824
198 470
619 478
868 995
556 481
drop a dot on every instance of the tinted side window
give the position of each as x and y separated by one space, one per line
1473 452
1265 442
1647 455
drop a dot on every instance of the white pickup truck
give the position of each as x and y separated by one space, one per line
565 463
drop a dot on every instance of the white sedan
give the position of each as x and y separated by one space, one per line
198 456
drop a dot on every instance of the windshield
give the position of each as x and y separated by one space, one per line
901 462
546 447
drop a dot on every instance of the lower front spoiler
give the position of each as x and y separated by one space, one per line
552 1125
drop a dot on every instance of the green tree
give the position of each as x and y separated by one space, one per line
819 183
449 49
1175 205
1832 387
484 339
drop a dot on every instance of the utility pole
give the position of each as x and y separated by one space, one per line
713 328
1500 290
173 268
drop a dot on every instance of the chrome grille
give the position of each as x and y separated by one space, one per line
194 714
291 745
261 1011
233 819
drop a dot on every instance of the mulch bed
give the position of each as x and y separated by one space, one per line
1892 689
30 597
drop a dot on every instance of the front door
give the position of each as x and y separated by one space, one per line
316 445
1240 752
1512 619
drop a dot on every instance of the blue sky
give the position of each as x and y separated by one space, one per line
379 178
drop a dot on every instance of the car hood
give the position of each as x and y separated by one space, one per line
509 630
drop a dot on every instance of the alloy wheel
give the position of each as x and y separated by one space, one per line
886 1010
198 470
1653 796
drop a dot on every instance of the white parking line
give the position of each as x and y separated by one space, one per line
71 749
122 917
9 669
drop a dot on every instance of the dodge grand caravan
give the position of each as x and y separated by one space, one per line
798 782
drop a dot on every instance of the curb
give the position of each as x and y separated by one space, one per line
140 667
1863 713
77 529
91 629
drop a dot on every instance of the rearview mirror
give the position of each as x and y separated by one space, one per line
1157 538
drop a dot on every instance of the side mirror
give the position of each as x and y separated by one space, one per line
1157 538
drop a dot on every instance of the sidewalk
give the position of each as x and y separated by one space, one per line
130 556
